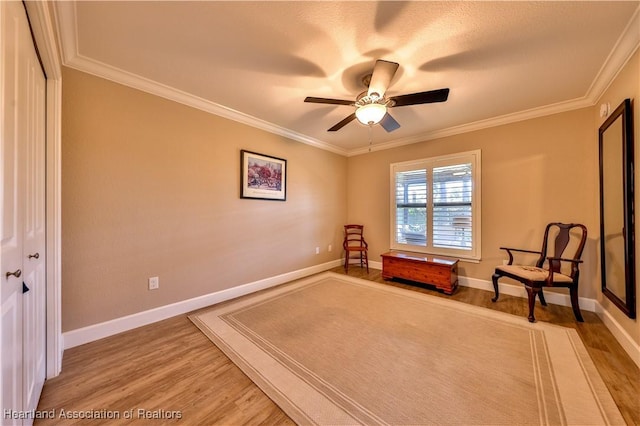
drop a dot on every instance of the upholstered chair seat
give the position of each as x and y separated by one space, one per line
533 273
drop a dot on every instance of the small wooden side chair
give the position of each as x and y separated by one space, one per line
547 270
354 242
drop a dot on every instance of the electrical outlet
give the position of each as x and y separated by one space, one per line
154 283
317 250
329 248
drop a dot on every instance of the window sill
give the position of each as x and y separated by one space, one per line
414 249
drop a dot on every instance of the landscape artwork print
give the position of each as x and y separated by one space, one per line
262 176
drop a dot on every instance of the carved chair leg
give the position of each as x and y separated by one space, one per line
346 262
541 296
573 292
494 278
531 292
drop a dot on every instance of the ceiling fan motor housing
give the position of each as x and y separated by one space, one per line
365 99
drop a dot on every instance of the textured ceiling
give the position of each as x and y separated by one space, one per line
256 61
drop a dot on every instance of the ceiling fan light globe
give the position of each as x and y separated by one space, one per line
371 113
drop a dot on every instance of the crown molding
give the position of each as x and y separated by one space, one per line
119 76
479 125
66 15
65 12
622 51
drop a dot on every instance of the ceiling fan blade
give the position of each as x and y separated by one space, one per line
389 123
343 123
383 73
431 96
328 101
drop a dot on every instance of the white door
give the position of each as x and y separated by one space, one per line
22 320
33 253
12 213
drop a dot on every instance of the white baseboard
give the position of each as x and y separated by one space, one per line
118 325
516 290
519 291
108 328
626 341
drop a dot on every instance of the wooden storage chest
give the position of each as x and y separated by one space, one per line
440 271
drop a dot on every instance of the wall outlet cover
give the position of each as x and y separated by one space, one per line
154 283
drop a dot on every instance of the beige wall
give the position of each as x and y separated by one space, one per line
626 85
533 172
151 188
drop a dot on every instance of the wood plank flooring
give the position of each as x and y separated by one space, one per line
172 371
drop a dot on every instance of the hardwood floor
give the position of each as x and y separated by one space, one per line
172 371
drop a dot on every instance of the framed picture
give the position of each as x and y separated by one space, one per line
262 177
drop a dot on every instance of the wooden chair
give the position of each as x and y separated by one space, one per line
354 243
536 277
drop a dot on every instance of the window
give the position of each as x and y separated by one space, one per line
435 205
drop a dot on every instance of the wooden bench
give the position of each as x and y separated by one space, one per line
440 271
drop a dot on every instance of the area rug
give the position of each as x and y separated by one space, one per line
336 350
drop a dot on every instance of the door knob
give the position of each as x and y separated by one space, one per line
35 256
16 274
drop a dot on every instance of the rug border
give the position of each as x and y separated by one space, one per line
601 394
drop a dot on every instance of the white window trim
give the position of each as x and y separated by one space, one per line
473 255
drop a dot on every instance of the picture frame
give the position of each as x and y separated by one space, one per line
262 177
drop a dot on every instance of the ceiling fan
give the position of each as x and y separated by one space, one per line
371 105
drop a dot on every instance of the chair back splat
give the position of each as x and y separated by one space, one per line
355 246
568 240
561 243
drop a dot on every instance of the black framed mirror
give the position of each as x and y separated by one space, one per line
617 234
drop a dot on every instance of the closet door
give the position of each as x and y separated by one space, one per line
22 320
33 253
12 213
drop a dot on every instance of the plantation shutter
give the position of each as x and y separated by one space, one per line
452 206
411 207
436 205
